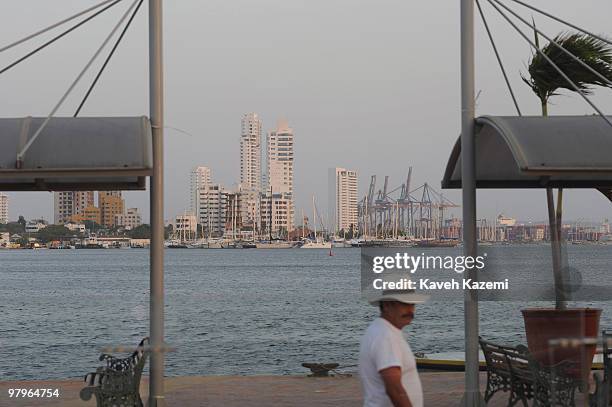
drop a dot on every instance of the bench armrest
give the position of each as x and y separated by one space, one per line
92 381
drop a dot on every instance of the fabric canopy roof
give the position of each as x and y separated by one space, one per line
538 152
91 153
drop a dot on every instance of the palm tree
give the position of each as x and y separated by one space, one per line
545 81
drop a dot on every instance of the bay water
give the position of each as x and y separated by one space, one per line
228 312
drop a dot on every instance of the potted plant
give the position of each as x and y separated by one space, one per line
542 325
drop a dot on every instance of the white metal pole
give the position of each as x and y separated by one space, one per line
156 107
472 396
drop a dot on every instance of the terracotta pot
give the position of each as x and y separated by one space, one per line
543 324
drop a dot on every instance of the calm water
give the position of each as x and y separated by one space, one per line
238 312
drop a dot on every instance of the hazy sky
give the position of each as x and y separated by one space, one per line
368 85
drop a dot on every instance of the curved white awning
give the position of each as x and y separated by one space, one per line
538 152
90 153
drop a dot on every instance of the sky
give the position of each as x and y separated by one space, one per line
371 86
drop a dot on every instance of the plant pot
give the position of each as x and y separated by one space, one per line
544 324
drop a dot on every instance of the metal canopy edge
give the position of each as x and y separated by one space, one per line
85 153
537 152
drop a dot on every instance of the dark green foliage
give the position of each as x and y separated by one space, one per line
545 80
92 226
54 232
13 228
140 232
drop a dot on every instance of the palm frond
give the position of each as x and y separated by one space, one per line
545 80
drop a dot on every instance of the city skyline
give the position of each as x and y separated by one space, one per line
346 90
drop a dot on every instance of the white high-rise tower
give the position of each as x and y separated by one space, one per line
250 169
250 152
279 207
200 178
280 159
343 199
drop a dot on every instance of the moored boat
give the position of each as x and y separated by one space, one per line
437 243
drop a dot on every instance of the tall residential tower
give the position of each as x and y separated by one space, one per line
4 215
278 205
250 152
70 203
200 178
250 169
342 199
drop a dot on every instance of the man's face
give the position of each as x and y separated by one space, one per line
398 313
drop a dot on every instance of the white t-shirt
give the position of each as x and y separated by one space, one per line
383 346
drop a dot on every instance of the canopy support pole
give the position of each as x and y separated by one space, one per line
471 397
156 107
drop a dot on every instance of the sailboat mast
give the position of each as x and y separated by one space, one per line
314 218
271 206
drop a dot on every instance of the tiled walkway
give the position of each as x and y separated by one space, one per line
441 390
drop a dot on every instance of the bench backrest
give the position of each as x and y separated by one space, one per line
607 354
133 365
501 358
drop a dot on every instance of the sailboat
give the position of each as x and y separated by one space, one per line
318 243
180 241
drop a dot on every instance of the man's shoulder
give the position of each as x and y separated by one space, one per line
378 329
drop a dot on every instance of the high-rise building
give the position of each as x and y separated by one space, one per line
250 152
342 199
63 207
111 204
250 168
70 203
4 207
199 177
211 205
91 214
277 203
280 159
82 200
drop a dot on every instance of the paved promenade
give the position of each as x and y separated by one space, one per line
441 390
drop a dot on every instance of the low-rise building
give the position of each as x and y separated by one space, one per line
129 220
75 227
233 218
35 226
140 243
5 239
277 213
185 226
505 221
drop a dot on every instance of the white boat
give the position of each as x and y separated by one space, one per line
340 243
319 243
316 245
274 245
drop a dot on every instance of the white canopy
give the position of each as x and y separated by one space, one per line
538 152
91 153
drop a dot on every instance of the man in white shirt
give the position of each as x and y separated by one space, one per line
387 367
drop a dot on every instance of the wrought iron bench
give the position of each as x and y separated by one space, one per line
507 370
603 391
118 383
553 385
